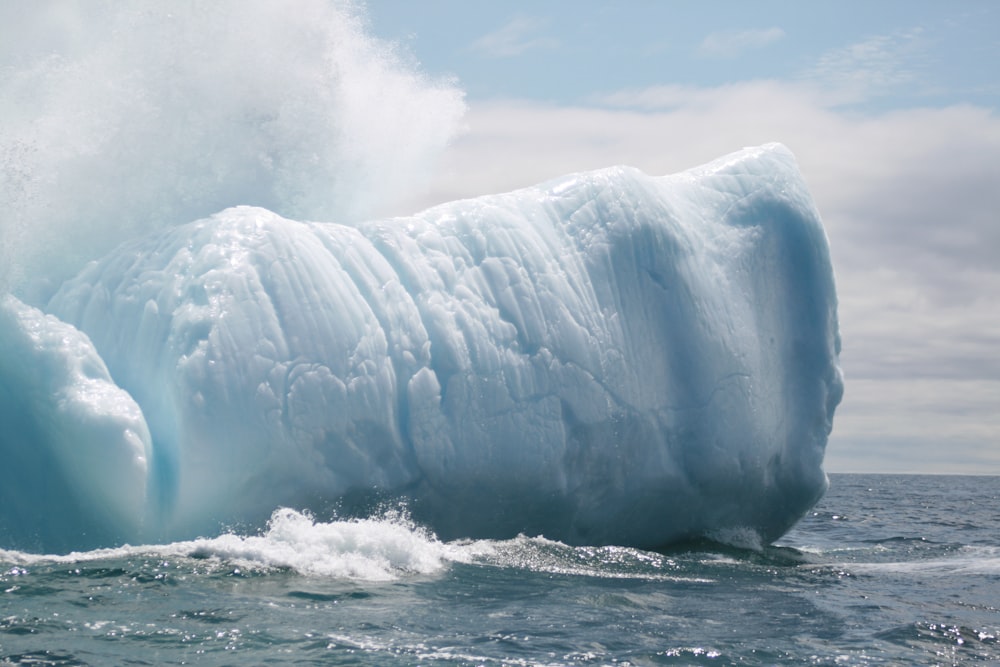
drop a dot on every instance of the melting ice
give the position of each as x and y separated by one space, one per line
609 357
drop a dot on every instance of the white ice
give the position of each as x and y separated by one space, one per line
74 446
605 358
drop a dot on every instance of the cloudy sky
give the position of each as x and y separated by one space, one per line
890 107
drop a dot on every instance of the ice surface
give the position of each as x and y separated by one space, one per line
605 358
74 445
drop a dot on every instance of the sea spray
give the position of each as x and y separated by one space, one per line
382 547
117 118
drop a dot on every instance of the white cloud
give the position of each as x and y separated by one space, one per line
909 200
672 97
909 425
876 66
519 35
733 43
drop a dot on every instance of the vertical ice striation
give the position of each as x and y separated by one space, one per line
605 358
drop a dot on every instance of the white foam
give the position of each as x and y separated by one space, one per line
380 548
538 554
967 561
741 537
373 549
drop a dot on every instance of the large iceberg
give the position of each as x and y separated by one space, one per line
604 358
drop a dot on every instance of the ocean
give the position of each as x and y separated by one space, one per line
886 570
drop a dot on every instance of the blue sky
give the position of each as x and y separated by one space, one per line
890 107
904 53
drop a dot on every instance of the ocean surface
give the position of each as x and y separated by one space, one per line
887 570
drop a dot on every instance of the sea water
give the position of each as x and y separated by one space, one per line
887 570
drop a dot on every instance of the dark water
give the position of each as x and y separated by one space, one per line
888 570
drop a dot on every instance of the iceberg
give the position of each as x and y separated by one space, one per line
606 358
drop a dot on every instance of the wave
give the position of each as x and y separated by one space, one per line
385 547
391 546
371 549
967 560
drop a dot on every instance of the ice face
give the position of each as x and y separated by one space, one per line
605 358
74 445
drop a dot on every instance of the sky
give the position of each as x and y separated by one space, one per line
890 107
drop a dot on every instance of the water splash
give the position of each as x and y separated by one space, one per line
379 548
119 117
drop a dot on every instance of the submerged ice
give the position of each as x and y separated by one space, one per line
605 358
